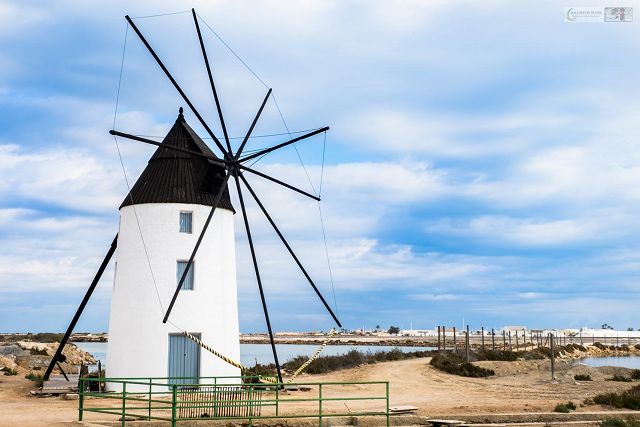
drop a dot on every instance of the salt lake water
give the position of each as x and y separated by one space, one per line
250 354
632 362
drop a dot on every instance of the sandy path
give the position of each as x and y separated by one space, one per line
412 382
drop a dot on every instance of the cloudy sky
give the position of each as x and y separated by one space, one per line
482 161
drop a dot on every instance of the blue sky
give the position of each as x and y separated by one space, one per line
482 161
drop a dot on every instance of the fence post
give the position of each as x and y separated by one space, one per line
320 405
493 339
277 401
174 396
504 341
510 347
482 329
455 341
553 357
124 403
387 391
467 344
438 338
80 398
150 398
444 338
516 340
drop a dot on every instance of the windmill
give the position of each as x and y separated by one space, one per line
184 171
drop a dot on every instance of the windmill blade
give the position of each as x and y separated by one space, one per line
216 202
284 144
180 91
286 244
277 181
83 304
213 86
253 124
257 270
212 159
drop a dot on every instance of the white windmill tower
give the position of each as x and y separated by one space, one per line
160 222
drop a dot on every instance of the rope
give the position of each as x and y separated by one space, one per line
315 355
124 171
243 368
324 149
222 356
161 14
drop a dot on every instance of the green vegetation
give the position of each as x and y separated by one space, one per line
620 378
37 378
582 377
38 352
635 374
619 422
457 365
629 399
9 372
352 359
506 355
565 408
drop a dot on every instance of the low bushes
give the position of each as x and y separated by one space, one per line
9 372
619 422
582 377
324 364
38 352
454 364
351 359
37 378
620 378
629 399
565 408
506 355
635 374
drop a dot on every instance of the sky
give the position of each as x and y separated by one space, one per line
481 166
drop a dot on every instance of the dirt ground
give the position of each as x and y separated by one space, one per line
518 387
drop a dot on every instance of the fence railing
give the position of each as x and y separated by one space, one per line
229 398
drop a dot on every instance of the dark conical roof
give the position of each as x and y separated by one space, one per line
176 177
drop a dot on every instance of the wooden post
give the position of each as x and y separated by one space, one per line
504 341
439 338
553 357
516 340
482 332
444 338
467 344
493 339
510 346
455 341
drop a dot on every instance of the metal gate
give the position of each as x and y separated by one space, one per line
184 359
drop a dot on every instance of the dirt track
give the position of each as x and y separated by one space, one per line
518 387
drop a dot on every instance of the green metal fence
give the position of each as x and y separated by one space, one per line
229 398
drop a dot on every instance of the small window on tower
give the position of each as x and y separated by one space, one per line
188 280
186 222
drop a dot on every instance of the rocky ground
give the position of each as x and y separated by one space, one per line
24 357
